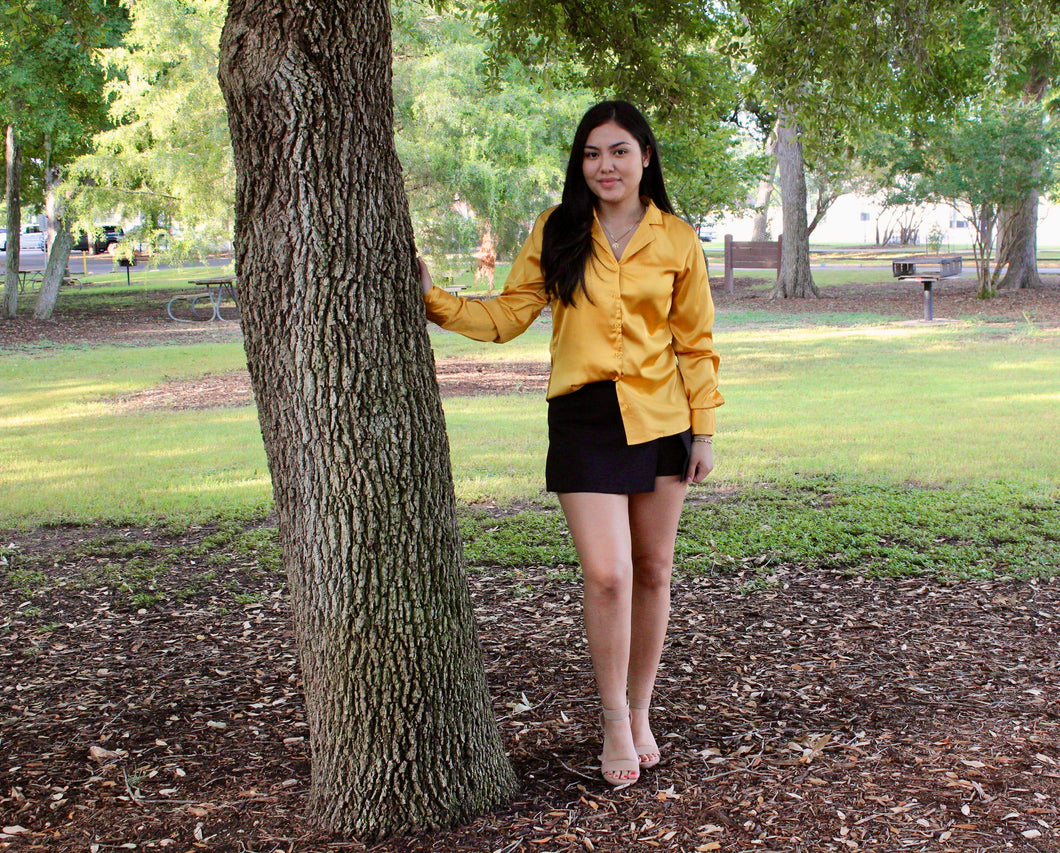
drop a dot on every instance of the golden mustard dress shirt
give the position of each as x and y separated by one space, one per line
647 325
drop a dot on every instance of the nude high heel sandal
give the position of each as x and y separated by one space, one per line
648 753
618 772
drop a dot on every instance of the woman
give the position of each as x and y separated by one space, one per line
631 394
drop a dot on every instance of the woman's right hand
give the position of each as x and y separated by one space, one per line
426 282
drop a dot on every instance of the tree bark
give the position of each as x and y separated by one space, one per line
760 228
1018 249
402 729
984 221
13 197
54 270
794 279
59 244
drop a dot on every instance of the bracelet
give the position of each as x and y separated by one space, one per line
705 439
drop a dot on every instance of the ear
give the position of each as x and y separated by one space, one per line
647 158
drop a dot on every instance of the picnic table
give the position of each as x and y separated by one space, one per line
218 290
34 279
30 278
926 270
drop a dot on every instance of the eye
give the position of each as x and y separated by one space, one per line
591 155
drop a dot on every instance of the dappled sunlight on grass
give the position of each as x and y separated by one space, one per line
91 466
497 445
947 404
532 345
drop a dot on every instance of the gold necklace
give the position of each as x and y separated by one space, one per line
616 240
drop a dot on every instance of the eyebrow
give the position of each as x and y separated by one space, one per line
615 145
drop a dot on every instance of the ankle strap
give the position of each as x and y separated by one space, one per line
616 714
640 704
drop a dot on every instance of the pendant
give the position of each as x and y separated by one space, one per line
614 246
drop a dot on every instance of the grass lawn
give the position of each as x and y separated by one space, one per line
832 424
937 405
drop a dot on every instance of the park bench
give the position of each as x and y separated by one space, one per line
926 270
750 255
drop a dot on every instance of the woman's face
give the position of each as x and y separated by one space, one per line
613 163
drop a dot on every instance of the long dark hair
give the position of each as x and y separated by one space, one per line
567 240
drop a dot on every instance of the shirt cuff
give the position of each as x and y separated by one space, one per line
440 305
703 422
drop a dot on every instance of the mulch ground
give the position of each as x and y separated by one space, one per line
807 712
815 712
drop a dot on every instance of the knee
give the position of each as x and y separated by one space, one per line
652 571
608 581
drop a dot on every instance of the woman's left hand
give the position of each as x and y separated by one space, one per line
700 462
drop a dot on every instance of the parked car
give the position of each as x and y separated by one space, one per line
105 237
705 231
32 237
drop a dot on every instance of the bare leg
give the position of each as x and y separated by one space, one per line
653 518
599 525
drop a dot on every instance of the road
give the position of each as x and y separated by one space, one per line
34 259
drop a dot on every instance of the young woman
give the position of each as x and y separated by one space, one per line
631 395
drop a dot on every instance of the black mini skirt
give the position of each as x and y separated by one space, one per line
587 450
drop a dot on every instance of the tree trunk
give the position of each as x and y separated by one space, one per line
984 221
794 279
1018 248
53 207
1019 245
402 729
59 244
760 229
13 196
54 270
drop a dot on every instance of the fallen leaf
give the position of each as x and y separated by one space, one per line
101 755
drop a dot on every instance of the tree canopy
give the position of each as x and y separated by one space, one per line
167 160
477 152
52 78
665 58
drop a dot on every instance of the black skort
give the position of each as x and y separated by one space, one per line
587 450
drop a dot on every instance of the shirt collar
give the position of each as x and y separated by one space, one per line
641 236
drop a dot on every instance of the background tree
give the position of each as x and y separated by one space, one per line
1026 55
167 160
402 729
52 93
13 208
662 56
793 277
492 146
979 165
835 71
